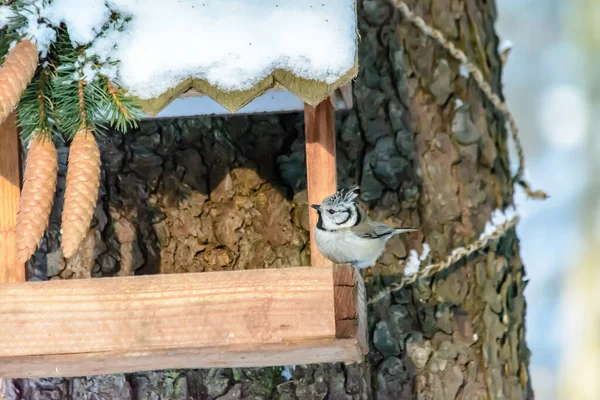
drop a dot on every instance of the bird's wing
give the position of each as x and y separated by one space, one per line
372 230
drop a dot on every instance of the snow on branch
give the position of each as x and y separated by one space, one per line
5 15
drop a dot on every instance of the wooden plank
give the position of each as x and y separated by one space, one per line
320 165
110 325
193 105
350 323
166 311
345 302
346 328
343 275
10 187
276 354
275 101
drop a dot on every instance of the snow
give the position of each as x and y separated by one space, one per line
109 71
40 33
5 15
457 250
498 219
425 253
232 44
413 264
103 47
85 69
89 72
84 19
504 45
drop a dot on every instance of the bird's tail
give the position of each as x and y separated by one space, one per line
398 231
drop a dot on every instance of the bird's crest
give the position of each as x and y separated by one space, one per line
342 196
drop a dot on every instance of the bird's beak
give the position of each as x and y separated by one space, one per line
316 207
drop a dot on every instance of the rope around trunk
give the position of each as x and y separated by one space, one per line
484 86
452 259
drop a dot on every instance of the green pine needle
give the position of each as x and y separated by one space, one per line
35 109
9 34
4 44
78 103
62 97
122 111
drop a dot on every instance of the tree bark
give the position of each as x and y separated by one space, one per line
229 193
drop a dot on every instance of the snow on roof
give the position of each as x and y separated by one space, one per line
231 45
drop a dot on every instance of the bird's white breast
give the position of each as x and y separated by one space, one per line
344 246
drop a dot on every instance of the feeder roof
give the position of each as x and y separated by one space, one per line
230 50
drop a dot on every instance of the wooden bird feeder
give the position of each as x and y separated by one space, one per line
249 318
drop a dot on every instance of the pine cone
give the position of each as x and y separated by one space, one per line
81 194
37 196
15 74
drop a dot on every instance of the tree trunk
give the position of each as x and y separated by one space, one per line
229 193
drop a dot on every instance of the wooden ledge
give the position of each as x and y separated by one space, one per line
215 319
277 100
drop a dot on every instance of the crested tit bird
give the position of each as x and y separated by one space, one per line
346 235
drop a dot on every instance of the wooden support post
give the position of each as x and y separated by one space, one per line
248 318
10 184
320 165
350 322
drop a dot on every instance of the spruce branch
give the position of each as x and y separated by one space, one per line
81 102
113 92
36 109
72 89
18 19
122 111
79 99
4 43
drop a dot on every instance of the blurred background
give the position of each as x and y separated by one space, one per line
552 86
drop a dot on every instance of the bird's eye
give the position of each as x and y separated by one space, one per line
330 211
